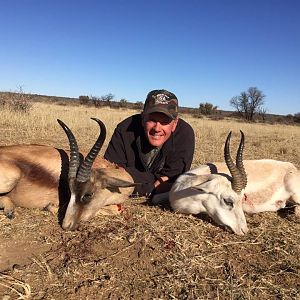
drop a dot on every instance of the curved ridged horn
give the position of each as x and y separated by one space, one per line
239 159
237 179
74 153
85 168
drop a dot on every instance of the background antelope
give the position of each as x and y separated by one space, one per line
226 190
37 176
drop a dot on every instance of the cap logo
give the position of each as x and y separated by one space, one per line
161 99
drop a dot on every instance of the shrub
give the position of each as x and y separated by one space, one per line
84 99
297 118
207 109
139 105
17 101
123 103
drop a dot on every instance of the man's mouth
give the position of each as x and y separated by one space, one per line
156 136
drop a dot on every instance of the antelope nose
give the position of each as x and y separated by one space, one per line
70 226
240 230
245 230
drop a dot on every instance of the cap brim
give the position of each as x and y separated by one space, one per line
161 110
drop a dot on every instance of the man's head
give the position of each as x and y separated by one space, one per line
160 116
161 101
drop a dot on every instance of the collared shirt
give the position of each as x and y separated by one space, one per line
150 156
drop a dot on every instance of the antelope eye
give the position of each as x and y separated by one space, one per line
87 197
228 202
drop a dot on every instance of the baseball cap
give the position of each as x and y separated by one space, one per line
161 101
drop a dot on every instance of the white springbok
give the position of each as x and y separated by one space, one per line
37 176
254 186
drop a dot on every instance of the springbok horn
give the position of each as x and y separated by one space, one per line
239 159
237 180
74 153
85 168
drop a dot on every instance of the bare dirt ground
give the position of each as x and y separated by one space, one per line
149 253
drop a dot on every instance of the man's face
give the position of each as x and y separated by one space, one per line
158 128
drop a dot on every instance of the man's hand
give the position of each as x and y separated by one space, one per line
162 185
161 180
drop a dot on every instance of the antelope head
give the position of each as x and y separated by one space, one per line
91 189
224 197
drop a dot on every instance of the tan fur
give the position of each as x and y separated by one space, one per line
36 176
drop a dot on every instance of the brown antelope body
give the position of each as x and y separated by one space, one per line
37 176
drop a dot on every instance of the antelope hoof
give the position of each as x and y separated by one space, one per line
9 214
51 208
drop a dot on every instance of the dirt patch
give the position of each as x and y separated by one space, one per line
149 253
15 253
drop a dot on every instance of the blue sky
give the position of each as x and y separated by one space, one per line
203 51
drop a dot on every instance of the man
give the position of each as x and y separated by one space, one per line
154 147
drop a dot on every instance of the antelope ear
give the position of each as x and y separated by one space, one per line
207 187
110 182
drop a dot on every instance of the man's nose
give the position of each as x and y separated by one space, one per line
157 125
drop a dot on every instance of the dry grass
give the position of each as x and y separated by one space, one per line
15 285
148 252
40 126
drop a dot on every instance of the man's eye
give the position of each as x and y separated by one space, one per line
162 122
166 122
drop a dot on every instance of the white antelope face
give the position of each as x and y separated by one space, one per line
223 204
215 194
92 189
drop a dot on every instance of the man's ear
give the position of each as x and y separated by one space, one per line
175 124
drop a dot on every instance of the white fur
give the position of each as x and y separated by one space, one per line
271 185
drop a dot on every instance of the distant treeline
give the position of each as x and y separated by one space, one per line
23 101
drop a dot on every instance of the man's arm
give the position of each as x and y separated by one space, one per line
116 153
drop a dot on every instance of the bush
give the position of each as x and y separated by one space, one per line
17 101
84 99
139 105
207 109
123 103
297 118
